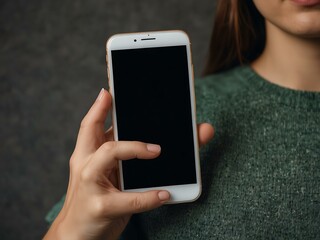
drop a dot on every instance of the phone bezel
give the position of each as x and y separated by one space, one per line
179 193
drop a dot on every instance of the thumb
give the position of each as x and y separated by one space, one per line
91 133
124 203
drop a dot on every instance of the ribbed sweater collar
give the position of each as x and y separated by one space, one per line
295 98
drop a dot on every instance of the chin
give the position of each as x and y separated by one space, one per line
308 23
304 25
305 29
296 17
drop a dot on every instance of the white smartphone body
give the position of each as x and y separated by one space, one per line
152 86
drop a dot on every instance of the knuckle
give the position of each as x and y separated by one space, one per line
111 145
84 123
137 203
110 150
72 161
137 144
99 207
86 175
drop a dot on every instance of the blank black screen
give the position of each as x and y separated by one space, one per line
152 102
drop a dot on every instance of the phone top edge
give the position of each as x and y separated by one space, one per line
179 35
177 31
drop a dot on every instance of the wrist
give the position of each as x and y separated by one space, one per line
61 229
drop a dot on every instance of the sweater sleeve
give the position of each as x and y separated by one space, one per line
55 210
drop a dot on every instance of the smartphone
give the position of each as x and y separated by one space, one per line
151 83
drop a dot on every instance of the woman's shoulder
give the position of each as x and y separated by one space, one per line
224 84
222 92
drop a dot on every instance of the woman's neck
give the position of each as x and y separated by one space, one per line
290 61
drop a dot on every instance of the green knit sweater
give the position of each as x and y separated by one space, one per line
260 174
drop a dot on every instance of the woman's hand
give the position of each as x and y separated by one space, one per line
94 207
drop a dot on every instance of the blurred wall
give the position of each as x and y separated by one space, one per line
52 66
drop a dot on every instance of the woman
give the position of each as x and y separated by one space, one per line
260 174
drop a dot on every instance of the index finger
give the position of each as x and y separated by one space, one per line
105 158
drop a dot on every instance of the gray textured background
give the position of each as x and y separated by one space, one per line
52 66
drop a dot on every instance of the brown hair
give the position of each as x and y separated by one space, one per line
238 35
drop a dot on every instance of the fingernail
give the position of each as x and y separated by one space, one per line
153 148
163 196
100 94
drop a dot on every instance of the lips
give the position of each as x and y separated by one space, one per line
306 3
